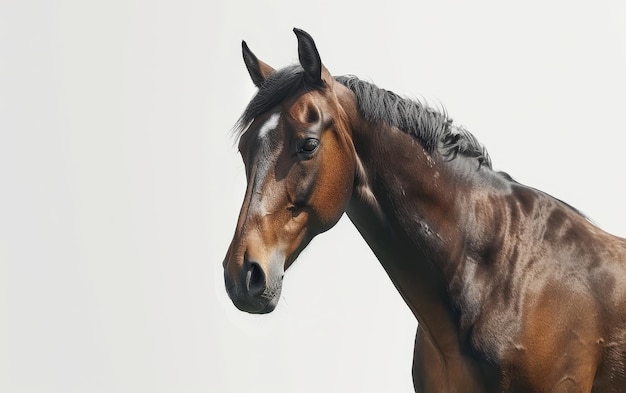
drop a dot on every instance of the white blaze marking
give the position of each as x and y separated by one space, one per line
269 125
264 161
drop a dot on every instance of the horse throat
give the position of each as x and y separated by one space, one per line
405 207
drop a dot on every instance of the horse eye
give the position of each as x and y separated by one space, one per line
309 145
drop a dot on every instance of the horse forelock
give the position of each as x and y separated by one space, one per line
280 85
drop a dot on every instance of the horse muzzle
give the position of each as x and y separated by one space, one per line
253 288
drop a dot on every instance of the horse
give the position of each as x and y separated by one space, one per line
513 289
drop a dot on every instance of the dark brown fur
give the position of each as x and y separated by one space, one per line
514 290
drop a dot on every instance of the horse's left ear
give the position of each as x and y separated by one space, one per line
309 58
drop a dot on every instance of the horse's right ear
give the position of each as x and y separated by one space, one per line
259 71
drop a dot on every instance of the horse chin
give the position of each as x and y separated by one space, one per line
260 307
264 304
269 301
269 307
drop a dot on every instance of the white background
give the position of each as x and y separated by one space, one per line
120 184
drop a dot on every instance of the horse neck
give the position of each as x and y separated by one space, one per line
407 204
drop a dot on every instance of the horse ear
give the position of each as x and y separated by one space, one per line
258 70
309 57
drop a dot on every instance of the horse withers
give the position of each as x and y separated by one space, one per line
514 290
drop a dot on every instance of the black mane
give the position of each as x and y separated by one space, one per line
433 129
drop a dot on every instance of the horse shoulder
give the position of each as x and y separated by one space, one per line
542 292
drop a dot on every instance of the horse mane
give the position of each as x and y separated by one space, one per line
434 129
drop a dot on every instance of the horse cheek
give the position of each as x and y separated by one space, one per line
335 184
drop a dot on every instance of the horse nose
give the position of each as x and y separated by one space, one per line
252 286
254 279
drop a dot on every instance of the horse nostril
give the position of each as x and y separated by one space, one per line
255 280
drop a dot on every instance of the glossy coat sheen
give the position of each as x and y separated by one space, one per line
514 290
